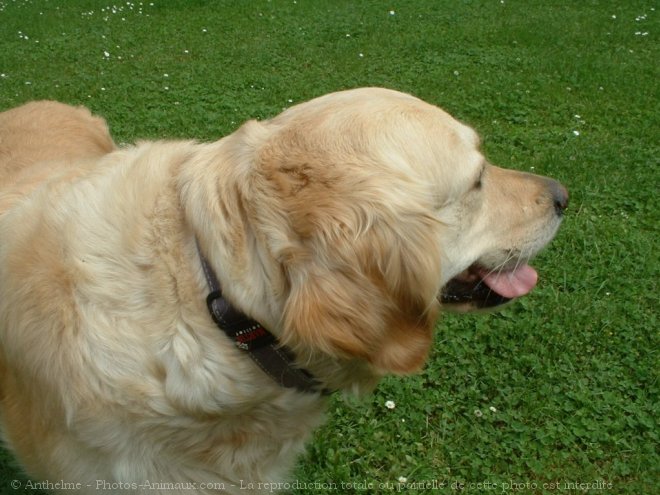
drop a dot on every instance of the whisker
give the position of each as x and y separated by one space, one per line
499 268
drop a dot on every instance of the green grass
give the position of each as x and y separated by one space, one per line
561 386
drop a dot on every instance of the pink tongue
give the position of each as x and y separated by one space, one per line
512 284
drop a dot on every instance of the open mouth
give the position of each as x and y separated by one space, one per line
480 287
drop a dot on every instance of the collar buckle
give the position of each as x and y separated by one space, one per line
247 334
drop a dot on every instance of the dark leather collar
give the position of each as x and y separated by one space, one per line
276 360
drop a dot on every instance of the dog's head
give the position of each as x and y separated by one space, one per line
379 209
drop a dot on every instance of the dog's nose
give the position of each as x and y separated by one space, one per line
559 196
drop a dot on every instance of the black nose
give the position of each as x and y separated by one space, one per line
559 197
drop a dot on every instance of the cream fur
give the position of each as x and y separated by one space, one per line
335 225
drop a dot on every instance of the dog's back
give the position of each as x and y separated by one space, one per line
41 138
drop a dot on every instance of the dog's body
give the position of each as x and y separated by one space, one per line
335 225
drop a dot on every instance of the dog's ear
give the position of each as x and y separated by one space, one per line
358 245
372 299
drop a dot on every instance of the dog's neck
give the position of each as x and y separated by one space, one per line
276 360
218 206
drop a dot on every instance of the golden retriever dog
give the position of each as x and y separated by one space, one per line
174 315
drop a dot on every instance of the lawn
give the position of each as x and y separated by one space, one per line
557 392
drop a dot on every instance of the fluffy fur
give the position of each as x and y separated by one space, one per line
335 224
